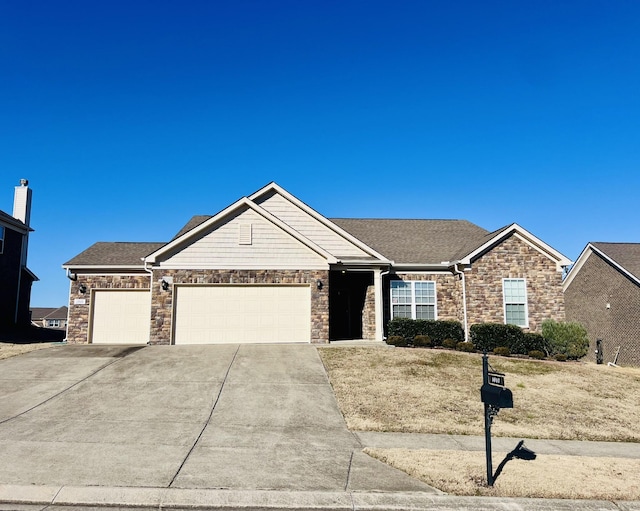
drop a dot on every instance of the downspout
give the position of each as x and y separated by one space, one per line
18 293
150 272
464 300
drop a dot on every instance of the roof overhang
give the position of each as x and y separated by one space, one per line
582 259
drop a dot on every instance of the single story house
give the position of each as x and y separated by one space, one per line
602 292
50 317
268 268
15 278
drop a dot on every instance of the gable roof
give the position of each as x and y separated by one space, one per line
39 313
414 241
113 253
623 256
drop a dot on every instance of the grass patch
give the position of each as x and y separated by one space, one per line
435 391
560 477
8 350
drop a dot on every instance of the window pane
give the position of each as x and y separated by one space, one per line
425 312
425 292
400 292
514 291
516 315
402 311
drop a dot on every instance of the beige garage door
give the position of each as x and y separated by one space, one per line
242 314
121 317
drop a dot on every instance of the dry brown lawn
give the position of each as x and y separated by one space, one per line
559 477
11 350
438 391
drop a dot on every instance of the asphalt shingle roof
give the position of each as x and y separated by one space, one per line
626 255
114 253
416 241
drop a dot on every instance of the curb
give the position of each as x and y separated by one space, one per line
100 497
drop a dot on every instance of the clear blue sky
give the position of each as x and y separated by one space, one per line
128 117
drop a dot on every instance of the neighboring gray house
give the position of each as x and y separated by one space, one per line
15 278
50 317
602 291
268 268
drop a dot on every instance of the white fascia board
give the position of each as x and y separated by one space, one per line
575 269
591 248
244 202
320 218
421 267
533 241
98 267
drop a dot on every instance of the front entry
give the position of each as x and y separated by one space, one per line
351 307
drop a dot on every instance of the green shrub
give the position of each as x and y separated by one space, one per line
530 341
566 338
467 347
422 341
487 336
560 357
450 343
502 351
537 354
437 331
397 340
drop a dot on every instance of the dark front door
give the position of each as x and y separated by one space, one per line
347 293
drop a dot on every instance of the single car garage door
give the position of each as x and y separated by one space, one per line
121 316
242 314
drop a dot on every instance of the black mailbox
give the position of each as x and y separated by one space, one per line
499 397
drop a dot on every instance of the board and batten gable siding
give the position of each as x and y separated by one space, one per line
309 227
269 247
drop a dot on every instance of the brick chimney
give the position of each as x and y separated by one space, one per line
22 202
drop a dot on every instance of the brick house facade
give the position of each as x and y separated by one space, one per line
602 292
258 261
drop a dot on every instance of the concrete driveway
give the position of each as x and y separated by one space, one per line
246 417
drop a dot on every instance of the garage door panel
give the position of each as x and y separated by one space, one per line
120 317
242 314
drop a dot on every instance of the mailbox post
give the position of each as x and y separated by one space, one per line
494 395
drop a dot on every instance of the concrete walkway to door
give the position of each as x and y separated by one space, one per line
239 417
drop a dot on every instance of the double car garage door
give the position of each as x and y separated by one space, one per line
208 315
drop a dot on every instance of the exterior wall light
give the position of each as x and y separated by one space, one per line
82 288
319 284
165 285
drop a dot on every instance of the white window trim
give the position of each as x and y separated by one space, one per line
413 297
526 302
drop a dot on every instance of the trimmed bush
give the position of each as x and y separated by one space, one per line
437 331
488 336
530 341
560 357
565 338
422 341
397 340
537 354
502 351
450 343
467 347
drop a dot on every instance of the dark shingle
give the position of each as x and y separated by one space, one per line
114 253
626 255
194 222
416 241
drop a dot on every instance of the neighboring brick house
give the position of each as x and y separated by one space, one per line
268 268
15 278
50 317
602 291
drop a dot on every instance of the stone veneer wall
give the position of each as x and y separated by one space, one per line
369 314
607 304
514 258
162 301
78 326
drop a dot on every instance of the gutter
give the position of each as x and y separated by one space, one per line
456 271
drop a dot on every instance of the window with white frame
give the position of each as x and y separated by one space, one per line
54 323
514 292
413 299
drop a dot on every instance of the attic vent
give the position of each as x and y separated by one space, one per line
245 234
